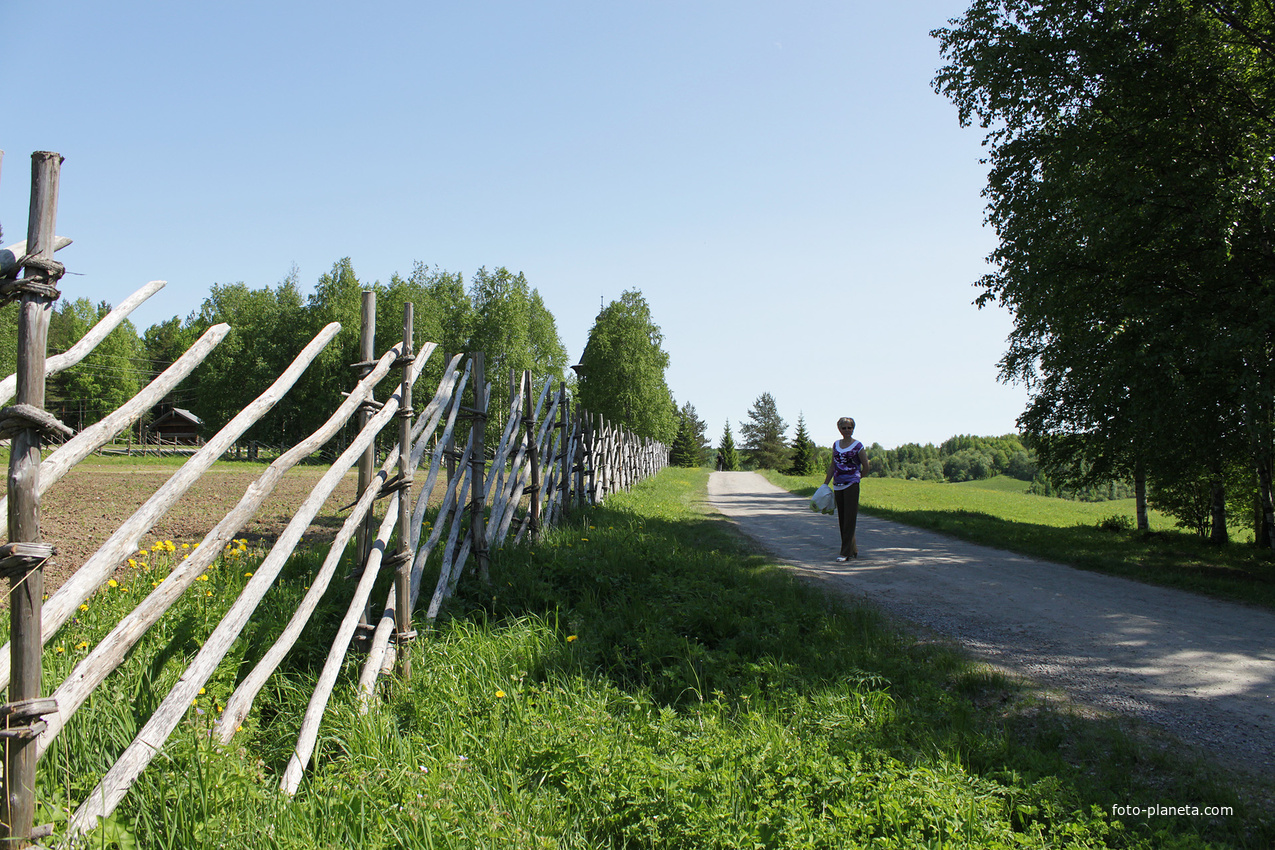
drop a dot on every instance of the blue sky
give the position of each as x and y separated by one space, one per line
799 208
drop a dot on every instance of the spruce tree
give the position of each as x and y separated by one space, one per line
764 434
684 452
730 457
803 450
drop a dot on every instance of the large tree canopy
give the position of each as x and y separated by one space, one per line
622 370
1130 152
500 315
109 376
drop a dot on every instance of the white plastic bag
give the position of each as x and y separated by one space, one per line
823 501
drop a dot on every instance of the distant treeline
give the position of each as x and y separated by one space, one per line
496 312
969 458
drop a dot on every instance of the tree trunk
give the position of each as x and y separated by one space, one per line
1217 508
1268 504
1140 496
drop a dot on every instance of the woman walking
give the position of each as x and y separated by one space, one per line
849 464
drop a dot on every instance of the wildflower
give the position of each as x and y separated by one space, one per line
585 539
202 578
112 583
202 692
82 645
247 575
208 593
185 545
59 649
84 607
169 546
500 694
123 590
132 563
571 638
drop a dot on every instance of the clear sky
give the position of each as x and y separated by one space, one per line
799 208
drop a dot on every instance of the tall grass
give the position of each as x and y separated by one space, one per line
639 677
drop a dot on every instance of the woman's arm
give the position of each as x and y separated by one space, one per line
863 462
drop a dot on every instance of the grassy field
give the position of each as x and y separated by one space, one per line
1088 535
640 677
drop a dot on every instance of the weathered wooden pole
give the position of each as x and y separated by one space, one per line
449 444
367 356
403 555
564 408
533 454
35 305
478 466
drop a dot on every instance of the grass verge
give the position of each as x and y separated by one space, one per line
1081 534
640 677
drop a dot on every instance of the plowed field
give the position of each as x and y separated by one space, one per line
82 510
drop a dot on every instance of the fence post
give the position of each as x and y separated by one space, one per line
35 305
403 556
448 447
366 534
478 466
533 451
568 459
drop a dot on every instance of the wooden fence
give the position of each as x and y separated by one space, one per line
549 459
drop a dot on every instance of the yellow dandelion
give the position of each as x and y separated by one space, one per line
123 590
132 563
82 645
59 650
202 578
202 692
194 702
112 583
585 539
247 575
207 593
500 694
570 638
84 607
185 545
170 546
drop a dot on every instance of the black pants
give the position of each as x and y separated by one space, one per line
847 517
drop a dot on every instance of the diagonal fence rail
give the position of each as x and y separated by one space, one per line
549 459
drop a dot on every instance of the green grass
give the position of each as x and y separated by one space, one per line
1067 532
1001 483
640 677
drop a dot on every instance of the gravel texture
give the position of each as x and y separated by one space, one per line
1202 669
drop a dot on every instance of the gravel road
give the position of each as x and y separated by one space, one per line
1202 669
